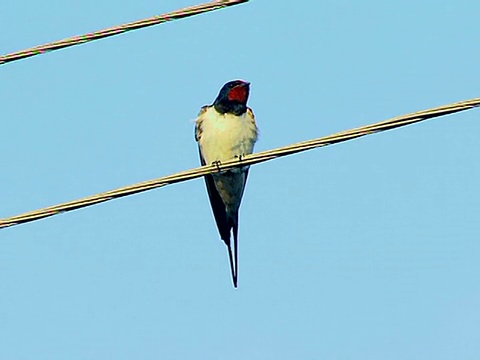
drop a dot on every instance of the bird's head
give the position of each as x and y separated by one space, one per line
233 97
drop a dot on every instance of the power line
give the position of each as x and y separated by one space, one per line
247 160
154 20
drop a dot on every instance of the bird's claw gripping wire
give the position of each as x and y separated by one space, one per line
217 163
239 157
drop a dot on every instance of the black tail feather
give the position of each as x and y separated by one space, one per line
232 265
232 221
235 250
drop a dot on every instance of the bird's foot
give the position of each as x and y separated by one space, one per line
240 159
217 164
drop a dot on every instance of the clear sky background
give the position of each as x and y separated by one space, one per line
369 249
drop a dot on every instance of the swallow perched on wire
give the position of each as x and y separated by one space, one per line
226 130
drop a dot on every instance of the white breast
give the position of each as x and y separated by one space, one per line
225 136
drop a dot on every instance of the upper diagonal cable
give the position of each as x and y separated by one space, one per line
115 30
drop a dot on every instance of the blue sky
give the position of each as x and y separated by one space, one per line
368 249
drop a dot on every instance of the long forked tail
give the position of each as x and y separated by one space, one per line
233 265
233 256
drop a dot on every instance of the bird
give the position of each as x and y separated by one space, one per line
226 130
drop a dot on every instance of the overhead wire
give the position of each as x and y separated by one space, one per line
119 29
244 161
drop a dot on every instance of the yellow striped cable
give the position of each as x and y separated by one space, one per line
247 160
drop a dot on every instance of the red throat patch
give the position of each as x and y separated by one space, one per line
238 93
